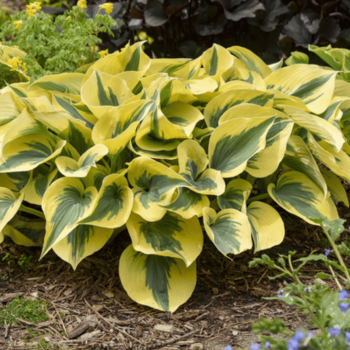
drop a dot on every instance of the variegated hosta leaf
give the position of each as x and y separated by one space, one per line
65 203
28 152
162 155
113 204
312 84
229 230
220 104
34 191
265 162
201 85
236 194
335 187
26 232
60 83
298 157
171 236
333 113
171 66
103 91
72 168
183 115
187 203
338 162
9 205
216 59
81 242
337 58
132 58
161 282
16 181
9 109
234 142
65 104
157 133
267 225
118 126
154 184
23 125
95 176
192 164
318 126
281 100
299 195
252 61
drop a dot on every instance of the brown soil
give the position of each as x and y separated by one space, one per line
90 310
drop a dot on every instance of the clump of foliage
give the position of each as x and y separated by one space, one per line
35 44
172 149
26 309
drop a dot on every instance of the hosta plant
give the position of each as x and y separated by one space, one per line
171 149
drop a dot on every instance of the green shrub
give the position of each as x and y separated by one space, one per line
169 148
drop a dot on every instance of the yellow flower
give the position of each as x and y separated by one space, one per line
33 8
108 7
82 4
18 24
14 63
103 53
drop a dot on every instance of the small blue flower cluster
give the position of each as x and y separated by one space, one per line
344 307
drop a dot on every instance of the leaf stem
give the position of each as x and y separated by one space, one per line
32 211
258 197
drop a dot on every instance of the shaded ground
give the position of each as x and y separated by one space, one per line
90 310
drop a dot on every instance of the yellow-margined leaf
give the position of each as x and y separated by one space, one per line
16 181
26 232
161 282
335 187
172 236
229 230
183 115
154 184
81 242
103 91
338 162
9 205
113 204
26 153
312 84
229 149
265 162
60 83
252 61
34 191
65 203
157 133
316 125
299 158
192 164
299 195
216 60
118 126
162 155
220 104
236 194
72 168
187 203
267 225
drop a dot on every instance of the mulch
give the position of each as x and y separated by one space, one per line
90 310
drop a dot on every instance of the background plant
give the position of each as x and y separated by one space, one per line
51 45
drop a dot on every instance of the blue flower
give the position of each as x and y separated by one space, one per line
293 344
344 307
280 294
267 345
347 336
299 335
255 346
228 347
327 251
343 294
334 331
